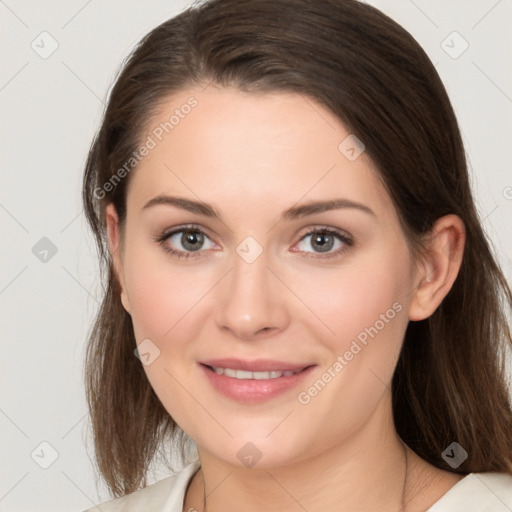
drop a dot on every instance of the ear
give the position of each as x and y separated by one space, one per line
115 248
440 266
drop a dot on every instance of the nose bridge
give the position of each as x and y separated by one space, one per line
251 301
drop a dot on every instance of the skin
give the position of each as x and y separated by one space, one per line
251 157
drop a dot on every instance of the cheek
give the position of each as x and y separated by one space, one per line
161 296
164 304
356 300
368 316
364 306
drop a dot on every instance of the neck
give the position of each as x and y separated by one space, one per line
367 471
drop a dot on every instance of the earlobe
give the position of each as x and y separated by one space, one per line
114 245
439 268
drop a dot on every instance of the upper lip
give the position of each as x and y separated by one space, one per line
256 365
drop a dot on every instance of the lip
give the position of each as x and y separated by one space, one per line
256 365
254 391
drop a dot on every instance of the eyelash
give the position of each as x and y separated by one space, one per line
177 253
324 230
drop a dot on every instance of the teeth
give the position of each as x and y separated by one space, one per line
228 372
244 374
260 375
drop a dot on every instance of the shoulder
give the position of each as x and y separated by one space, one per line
149 498
478 492
167 493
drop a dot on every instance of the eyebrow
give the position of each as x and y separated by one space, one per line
295 212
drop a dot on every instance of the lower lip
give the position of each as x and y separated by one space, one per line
253 391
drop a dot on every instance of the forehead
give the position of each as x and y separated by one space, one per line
233 149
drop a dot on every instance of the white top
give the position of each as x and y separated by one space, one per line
476 492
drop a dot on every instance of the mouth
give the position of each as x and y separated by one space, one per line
246 374
253 381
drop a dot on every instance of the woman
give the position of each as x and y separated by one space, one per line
297 279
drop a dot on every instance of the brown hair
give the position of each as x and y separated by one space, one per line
450 381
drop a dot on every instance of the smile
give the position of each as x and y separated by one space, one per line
253 382
244 374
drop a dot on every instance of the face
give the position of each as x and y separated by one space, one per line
235 268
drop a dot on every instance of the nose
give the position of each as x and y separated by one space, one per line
250 304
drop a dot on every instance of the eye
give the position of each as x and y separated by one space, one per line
325 242
183 242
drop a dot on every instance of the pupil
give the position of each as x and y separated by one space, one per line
325 242
192 240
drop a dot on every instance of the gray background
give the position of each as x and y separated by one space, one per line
51 106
